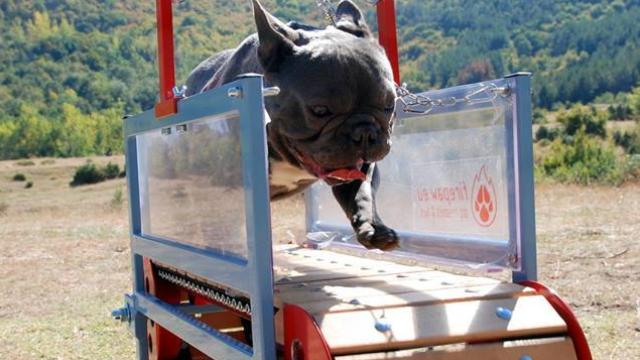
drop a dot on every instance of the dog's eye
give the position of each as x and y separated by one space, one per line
320 110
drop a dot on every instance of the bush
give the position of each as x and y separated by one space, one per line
19 177
539 116
586 119
546 133
87 174
619 112
111 171
629 141
584 160
25 163
28 185
47 162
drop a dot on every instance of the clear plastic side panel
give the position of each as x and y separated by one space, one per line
447 187
191 185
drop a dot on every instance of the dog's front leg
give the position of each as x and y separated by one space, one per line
357 199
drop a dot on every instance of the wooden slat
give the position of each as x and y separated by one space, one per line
304 265
469 321
366 299
539 349
417 277
296 277
377 284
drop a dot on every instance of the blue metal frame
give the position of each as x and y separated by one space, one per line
519 159
253 275
245 276
525 198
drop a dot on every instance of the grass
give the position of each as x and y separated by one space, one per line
65 262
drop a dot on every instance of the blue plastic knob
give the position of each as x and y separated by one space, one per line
503 313
382 326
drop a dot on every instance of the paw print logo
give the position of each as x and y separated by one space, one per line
484 202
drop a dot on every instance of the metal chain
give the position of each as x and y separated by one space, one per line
421 104
217 295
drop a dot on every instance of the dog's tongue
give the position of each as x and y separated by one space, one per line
343 175
346 174
333 177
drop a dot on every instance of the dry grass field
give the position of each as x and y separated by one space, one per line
64 261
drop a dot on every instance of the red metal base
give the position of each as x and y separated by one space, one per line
162 345
303 339
575 330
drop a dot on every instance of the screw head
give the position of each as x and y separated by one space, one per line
234 92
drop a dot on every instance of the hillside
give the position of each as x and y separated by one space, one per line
79 65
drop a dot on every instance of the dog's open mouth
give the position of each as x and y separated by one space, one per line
332 176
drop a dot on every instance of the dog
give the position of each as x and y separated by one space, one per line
333 117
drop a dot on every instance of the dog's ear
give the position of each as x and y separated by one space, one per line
349 19
276 38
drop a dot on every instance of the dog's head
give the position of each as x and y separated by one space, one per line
337 98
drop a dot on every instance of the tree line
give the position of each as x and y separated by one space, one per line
72 69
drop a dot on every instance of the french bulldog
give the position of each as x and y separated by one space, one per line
334 115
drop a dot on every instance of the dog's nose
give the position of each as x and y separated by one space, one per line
365 134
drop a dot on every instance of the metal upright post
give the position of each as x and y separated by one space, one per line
387 34
524 178
168 103
137 321
258 213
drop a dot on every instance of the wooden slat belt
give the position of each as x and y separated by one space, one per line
348 295
445 323
367 301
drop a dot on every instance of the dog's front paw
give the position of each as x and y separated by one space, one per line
378 237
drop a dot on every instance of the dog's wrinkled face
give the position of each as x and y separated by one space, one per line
337 98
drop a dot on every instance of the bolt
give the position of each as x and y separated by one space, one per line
382 326
503 313
121 314
179 92
181 129
270 91
235 92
